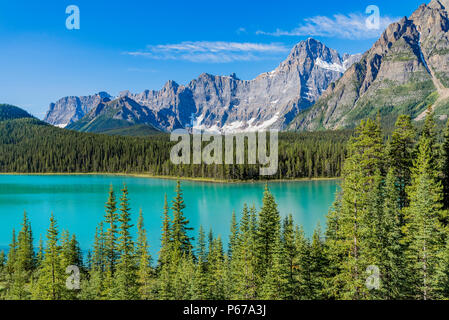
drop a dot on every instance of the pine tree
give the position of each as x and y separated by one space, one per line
445 167
216 271
302 266
125 284
164 253
289 247
357 211
201 244
144 272
12 255
268 232
180 224
2 260
318 266
233 237
24 262
276 280
51 276
111 254
40 253
2 266
200 287
243 263
423 230
94 288
391 258
400 152
25 251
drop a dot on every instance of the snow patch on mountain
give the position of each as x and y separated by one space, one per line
330 66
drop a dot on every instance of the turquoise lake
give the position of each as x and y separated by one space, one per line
78 203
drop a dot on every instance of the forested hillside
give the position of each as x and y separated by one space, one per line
8 112
30 146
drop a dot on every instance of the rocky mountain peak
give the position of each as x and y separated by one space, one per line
226 103
405 71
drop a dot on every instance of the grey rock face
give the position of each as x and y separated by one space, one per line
405 71
228 104
71 109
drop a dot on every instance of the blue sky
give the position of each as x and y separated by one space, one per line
137 45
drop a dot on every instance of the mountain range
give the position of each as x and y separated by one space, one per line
215 103
405 72
315 88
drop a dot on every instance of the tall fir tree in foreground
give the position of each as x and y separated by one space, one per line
125 279
268 233
144 272
445 167
166 238
24 262
111 255
180 224
51 276
424 235
352 239
400 150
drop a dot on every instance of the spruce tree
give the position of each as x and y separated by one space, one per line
216 271
125 284
2 268
445 167
244 261
268 232
24 262
51 276
40 253
357 212
302 266
94 288
180 223
423 230
111 253
400 151
289 246
166 239
318 266
391 252
12 255
144 272
200 287
275 282
233 237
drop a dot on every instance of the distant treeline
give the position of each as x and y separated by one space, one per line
30 146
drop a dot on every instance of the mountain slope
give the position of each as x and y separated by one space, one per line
225 103
71 109
112 115
8 112
405 71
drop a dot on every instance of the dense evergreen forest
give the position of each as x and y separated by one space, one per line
31 146
386 237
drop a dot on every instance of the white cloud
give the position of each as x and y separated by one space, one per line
211 51
351 26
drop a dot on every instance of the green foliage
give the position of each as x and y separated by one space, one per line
388 216
8 112
31 146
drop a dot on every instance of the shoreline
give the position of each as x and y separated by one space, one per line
150 176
